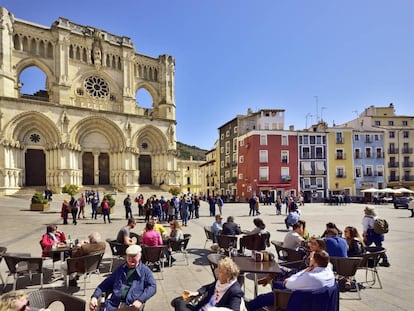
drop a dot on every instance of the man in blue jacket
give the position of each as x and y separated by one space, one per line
132 284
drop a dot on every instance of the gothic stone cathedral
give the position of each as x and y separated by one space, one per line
85 127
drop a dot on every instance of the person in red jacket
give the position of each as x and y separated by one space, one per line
52 237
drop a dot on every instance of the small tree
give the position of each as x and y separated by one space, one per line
111 200
70 189
38 198
174 191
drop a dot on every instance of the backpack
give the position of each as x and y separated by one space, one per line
380 226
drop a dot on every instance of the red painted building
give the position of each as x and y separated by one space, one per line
267 164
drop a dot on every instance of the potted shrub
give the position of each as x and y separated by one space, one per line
111 202
174 191
70 189
39 203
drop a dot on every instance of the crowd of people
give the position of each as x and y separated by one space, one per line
132 283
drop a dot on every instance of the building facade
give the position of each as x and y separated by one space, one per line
85 127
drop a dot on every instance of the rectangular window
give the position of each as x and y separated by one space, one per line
406 134
221 149
284 171
340 154
306 183
319 183
264 173
284 140
380 170
377 123
222 136
240 176
263 156
241 142
340 172
227 147
235 130
356 137
358 171
241 159
368 152
318 140
376 137
285 156
357 154
227 133
391 134
320 167
263 140
368 171
390 123
319 152
306 153
379 153
312 140
339 138
234 144
222 164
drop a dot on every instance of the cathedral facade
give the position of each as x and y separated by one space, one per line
86 127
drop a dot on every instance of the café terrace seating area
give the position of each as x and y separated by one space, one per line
27 270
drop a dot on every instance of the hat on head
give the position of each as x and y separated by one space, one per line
370 211
133 250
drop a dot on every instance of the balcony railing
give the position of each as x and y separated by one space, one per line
340 141
407 150
340 157
393 164
340 175
393 151
407 164
393 178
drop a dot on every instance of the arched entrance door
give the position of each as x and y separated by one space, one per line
145 176
87 168
35 167
103 169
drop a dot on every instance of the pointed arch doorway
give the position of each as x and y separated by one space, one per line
35 167
145 170
100 169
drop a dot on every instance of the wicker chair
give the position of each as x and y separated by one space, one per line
22 265
209 235
118 251
346 267
154 255
180 247
85 265
45 297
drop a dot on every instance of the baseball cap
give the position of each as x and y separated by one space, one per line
133 250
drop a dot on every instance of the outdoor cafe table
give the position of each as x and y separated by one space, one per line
61 251
247 264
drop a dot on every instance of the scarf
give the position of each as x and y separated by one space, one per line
219 291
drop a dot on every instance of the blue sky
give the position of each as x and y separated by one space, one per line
232 55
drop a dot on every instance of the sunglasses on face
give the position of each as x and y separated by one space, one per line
23 308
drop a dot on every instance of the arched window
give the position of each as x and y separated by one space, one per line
42 51
77 56
16 42
84 55
71 51
25 44
50 50
33 46
144 98
34 82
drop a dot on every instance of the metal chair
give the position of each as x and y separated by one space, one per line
209 235
369 263
154 255
179 247
45 297
118 251
346 267
22 265
227 244
86 265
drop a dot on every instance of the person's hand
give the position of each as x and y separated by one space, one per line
137 304
93 304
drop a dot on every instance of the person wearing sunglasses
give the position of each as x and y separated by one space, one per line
16 301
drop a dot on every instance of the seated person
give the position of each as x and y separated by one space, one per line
151 237
16 301
52 237
123 236
225 292
292 218
316 276
230 227
93 245
295 238
131 284
260 227
331 225
355 243
217 227
176 234
157 227
335 245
